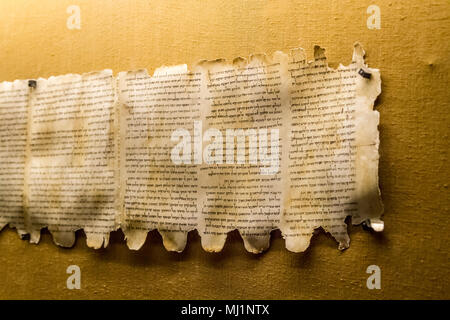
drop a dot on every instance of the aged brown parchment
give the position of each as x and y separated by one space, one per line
95 152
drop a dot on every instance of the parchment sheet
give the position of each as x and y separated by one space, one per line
257 144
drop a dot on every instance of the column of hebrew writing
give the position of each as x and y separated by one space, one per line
240 179
72 181
334 140
158 193
14 98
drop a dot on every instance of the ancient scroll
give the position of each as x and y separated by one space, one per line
269 142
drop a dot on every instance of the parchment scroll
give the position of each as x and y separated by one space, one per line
257 144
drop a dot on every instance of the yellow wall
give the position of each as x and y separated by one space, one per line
412 49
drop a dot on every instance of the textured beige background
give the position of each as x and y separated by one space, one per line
412 49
